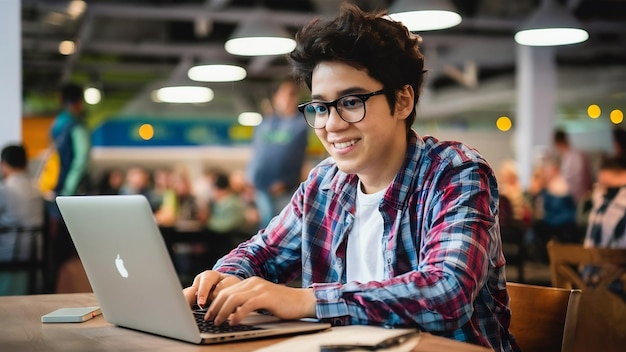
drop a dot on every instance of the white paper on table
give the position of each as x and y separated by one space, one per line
363 335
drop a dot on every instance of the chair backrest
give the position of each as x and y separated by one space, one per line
602 314
566 258
543 318
27 252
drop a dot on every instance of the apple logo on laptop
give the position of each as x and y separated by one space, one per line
119 264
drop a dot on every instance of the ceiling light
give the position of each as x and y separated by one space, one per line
67 47
255 38
76 8
250 118
183 94
216 73
92 95
551 25
425 15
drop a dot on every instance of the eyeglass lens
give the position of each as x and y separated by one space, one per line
350 109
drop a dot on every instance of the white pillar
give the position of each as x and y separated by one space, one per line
11 73
536 106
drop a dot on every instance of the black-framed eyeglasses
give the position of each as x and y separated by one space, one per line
351 108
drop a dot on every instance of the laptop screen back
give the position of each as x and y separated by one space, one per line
128 265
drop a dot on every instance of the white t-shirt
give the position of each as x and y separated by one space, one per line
364 255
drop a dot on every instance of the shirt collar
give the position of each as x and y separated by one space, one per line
398 192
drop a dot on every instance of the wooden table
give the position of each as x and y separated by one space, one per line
21 330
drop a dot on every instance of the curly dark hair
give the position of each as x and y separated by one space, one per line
366 41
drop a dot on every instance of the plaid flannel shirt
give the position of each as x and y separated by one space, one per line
444 267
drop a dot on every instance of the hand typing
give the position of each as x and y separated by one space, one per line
234 300
206 286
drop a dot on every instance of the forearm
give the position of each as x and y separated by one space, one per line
437 300
240 262
273 254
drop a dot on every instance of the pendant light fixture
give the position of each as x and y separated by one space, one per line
216 73
180 90
257 38
551 25
424 15
183 95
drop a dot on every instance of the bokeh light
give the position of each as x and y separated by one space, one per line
504 123
594 111
67 47
250 118
146 131
92 95
617 116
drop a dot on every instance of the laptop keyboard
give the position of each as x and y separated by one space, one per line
206 326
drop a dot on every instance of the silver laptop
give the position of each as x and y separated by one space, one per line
133 277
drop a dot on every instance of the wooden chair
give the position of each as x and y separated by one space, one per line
27 254
543 318
602 314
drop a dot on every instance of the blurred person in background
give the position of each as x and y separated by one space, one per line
575 167
225 217
554 205
180 211
72 143
279 149
245 191
227 210
204 190
21 205
110 183
138 182
607 220
619 141
511 191
161 183
179 207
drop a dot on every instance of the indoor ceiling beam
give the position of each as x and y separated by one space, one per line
208 51
217 11
232 15
45 65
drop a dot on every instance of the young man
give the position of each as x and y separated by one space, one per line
392 229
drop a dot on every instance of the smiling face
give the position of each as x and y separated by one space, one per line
373 148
